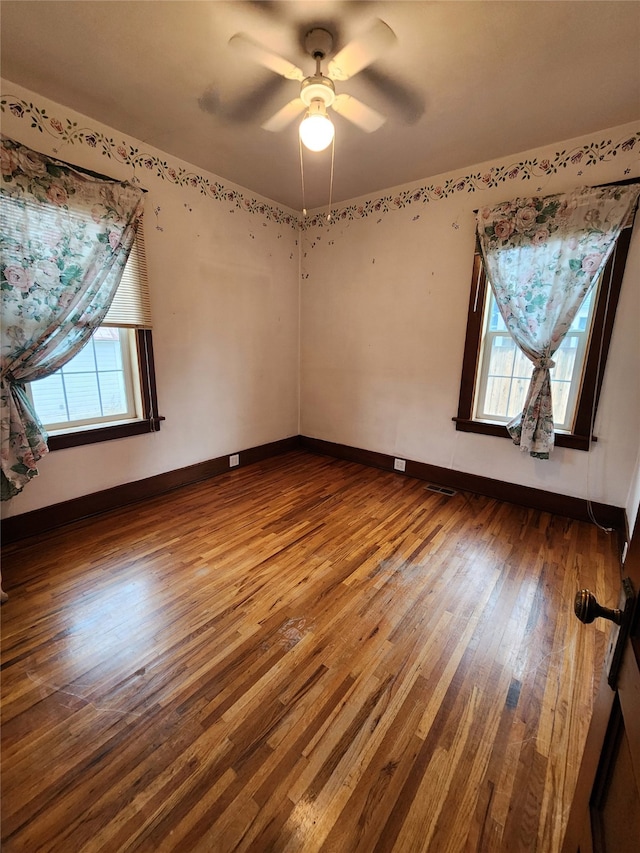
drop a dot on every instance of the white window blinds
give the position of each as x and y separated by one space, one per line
131 306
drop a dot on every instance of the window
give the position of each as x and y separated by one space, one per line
97 385
495 374
108 389
504 371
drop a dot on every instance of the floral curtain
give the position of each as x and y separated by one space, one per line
65 236
542 256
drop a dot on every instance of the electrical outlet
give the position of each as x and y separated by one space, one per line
234 460
399 464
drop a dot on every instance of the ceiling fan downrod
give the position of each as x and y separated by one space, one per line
318 42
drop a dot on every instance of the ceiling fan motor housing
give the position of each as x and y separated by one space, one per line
317 87
318 42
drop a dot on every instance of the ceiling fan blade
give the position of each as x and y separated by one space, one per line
360 114
404 101
254 104
362 51
260 54
268 7
244 108
284 116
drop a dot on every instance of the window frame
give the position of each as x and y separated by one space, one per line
581 338
150 420
128 371
596 358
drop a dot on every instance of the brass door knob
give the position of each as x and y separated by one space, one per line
587 609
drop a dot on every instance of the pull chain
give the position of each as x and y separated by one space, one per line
333 154
304 206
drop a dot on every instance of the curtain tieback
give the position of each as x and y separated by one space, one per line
544 362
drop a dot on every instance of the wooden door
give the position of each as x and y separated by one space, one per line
605 815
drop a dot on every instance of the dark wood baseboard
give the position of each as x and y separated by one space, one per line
606 515
49 518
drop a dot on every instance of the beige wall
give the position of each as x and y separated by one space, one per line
384 300
224 297
382 304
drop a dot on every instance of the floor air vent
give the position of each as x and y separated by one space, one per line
443 490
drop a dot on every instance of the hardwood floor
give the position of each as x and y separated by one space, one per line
300 655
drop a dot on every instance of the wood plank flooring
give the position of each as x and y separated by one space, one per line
301 655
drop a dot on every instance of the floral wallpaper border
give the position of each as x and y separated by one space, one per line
585 155
69 132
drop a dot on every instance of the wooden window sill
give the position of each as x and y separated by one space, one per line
562 439
105 433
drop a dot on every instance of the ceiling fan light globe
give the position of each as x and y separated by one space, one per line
316 132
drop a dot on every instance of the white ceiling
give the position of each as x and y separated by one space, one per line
481 80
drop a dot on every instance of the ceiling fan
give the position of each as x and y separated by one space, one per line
317 91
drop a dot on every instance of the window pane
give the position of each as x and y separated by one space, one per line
582 318
113 393
84 360
497 396
560 392
502 354
95 385
83 396
106 333
565 358
522 367
509 372
108 355
49 399
496 323
519 388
